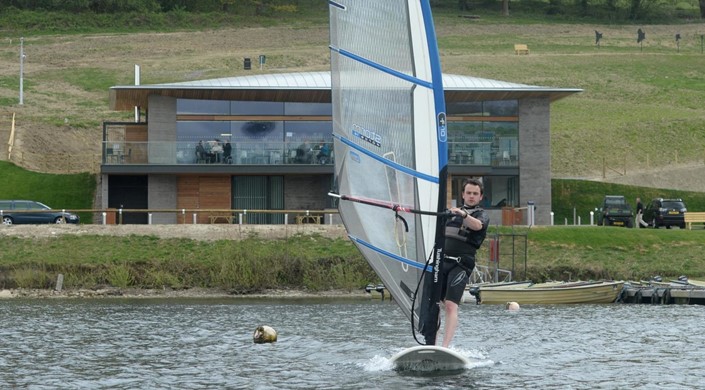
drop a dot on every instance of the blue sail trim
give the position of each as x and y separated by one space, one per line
391 255
388 162
436 78
383 68
336 5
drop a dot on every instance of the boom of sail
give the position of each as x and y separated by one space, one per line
390 143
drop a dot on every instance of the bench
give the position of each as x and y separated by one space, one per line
301 219
520 48
224 218
693 217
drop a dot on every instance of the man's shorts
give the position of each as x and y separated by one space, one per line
456 278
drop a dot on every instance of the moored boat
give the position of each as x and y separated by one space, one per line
561 293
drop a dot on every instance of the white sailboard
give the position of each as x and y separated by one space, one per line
429 358
389 129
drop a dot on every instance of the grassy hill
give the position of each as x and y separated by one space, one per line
640 110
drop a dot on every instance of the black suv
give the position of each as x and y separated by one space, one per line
665 212
615 212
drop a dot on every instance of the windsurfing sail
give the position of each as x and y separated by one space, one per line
389 130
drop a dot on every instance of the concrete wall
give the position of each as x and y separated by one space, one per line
162 195
162 127
535 157
103 188
307 192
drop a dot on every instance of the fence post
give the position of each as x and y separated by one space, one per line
194 219
574 214
286 218
120 216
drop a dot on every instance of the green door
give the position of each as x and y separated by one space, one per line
259 193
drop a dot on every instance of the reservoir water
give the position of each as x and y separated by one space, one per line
340 344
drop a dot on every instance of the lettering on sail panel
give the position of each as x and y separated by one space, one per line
366 135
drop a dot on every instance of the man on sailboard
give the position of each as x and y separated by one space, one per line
465 233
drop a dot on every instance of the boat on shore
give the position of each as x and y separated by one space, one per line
550 293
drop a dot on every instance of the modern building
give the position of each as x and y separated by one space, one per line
254 143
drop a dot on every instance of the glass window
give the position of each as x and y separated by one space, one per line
201 130
257 130
499 191
308 109
463 131
256 108
195 106
308 130
464 109
501 108
22 205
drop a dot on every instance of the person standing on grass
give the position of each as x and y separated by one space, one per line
640 214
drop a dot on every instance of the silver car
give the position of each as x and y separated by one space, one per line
15 212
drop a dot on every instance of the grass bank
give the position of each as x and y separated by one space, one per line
73 192
247 266
315 263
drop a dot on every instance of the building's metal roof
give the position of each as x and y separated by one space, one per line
315 87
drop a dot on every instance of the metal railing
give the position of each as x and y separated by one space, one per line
111 216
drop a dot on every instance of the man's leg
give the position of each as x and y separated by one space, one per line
451 318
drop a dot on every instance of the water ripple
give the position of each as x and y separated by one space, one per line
206 344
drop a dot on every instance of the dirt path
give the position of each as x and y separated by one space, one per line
684 177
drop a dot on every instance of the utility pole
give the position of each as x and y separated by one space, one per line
21 71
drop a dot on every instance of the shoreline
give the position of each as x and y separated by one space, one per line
191 293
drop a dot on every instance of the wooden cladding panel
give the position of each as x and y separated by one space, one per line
136 137
136 133
203 192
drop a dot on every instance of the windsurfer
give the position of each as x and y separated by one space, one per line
465 233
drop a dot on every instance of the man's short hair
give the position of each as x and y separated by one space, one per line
475 182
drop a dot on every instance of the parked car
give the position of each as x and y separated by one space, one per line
665 212
615 211
15 212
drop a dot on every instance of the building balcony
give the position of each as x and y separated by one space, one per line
273 154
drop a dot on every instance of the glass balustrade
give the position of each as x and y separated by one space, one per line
241 153
281 153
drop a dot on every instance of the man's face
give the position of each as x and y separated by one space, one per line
472 195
